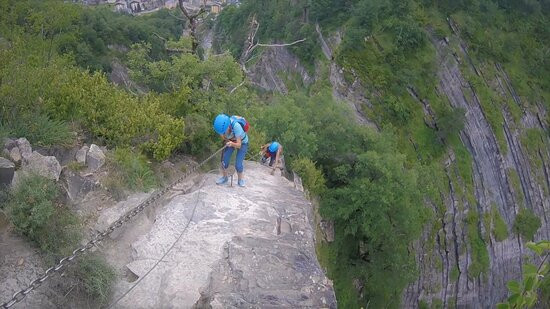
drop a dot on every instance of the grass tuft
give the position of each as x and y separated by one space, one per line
95 277
40 130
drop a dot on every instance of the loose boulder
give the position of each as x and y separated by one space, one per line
95 158
81 154
75 185
46 166
15 155
9 144
7 168
25 148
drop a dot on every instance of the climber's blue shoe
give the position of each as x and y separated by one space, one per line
221 180
241 182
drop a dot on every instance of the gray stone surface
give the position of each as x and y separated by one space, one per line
353 94
7 168
77 186
24 146
46 166
95 158
81 154
9 143
19 265
15 155
265 73
110 215
247 247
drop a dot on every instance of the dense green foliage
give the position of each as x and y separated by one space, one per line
279 21
40 82
35 209
312 177
371 193
524 294
500 229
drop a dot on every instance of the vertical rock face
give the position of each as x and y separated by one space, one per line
274 63
230 247
447 276
342 90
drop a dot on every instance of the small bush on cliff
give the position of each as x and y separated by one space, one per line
526 223
500 229
95 277
35 210
314 180
135 169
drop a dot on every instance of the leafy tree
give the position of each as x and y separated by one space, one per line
524 294
381 210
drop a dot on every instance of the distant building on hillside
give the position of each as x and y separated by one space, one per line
144 6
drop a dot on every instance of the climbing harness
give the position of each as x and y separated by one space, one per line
20 295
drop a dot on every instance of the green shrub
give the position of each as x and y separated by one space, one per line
500 229
36 211
95 277
526 223
133 170
313 178
480 255
114 115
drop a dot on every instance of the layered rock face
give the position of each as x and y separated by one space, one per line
506 177
505 180
230 247
274 65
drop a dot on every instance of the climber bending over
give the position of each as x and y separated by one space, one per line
235 137
272 150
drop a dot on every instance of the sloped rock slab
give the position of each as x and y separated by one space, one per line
233 252
19 265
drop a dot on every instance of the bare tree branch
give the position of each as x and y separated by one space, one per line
193 22
158 36
250 45
280 45
176 17
235 88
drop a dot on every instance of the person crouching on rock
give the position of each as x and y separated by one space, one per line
272 151
232 132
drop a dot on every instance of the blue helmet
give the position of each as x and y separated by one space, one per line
273 147
221 123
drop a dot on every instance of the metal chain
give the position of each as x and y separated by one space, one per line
19 296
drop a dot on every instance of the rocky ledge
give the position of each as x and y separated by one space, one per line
247 247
